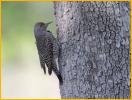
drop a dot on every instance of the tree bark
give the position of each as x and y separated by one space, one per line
95 49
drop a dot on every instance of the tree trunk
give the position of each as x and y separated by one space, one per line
95 49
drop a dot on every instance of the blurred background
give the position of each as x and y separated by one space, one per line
22 76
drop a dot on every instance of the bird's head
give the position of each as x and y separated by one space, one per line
40 27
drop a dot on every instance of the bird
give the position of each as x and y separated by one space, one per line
48 49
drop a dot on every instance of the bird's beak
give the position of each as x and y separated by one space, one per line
46 24
49 23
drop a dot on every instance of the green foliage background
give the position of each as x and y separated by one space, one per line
18 19
22 76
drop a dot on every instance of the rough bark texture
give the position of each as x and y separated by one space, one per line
95 49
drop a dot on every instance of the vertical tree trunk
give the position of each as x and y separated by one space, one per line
95 49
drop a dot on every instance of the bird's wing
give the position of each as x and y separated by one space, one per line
45 49
40 45
49 60
42 62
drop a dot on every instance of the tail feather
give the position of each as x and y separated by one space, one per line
60 79
43 66
44 70
49 71
58 74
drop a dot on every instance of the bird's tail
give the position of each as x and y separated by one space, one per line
58 74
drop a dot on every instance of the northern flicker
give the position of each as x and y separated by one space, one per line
48 49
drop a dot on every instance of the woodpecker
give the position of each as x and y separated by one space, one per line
48 49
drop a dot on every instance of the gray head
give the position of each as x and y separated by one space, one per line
40 27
